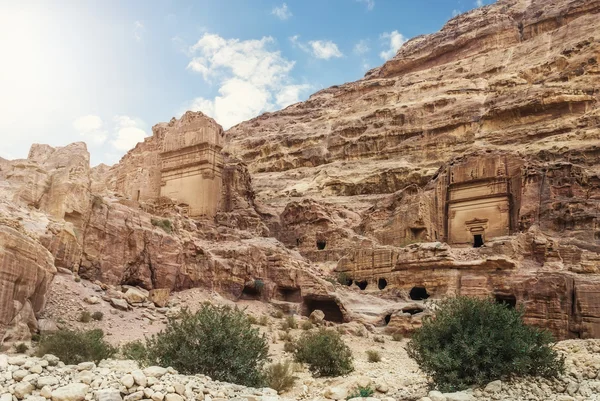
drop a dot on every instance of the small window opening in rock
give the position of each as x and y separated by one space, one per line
509 300
381 283
387 319
330 308
477 241
418 233
289 294
413 310
250 292
349 282
418 294
321 244
362 284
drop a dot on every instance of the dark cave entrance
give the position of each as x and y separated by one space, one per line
250 293
381 283
387 319
418 294
362 284
418 233
508 300
321 244
413 310
288 294
330 308
477 241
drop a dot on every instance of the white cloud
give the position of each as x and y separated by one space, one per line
361 47
251 78
282 12
456 13
128 132
138 30
324 49
370 3
479 3
396 40
91 127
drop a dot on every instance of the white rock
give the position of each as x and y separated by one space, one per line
494 387
17 360
47 381
155 371
158 396
6 397
459 396
18 375
36 369
23 389
138 395
108 394
173 397
70 392
86 377
436 396
46 392
139 377
336 393
127 380
86 366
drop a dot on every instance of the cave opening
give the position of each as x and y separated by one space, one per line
413 310
330 308
321 244
509 300
418 294
387 319
250 293
477 241
288 294
418 233
381 283
362 284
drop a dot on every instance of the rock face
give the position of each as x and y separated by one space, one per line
483 136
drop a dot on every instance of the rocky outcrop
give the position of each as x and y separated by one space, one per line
26 271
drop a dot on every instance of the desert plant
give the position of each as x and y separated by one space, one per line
73 347
135 350
360 392
217 341
280 376
21 348
85 317
476 341
97 316
379 339
306 325
35 337
252 319
289 346
373 355
263 321
285 336
289 323
324 352
278 314
165 224
397 336
343 278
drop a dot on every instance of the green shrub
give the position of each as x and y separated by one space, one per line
306 325
373 356
73 347
324 352
343 278
165 224
252 319
97 316
35 337
219 342
285 336
278 314
85 317
289 323
289 346
397 336
135 350
476 341
360 391
263 321
21 348
280 376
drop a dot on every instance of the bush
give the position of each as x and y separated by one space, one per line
360 391
343 278
263 321
476 341
97 316
397 336
21 348
289 323
373 356
278 314
135 350
285 336
324 352
85 317
73 347
307 325
280 376
289 346
165 224
219 342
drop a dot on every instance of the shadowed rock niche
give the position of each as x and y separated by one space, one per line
191 166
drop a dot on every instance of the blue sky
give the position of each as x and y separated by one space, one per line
105 71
